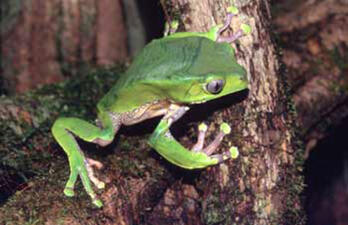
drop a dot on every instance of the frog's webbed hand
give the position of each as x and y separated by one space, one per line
163 142
63 130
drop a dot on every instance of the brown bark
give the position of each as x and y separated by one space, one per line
70 38
87 35
46 40
263 185
135 27
314 52
302 15
110 48
28 48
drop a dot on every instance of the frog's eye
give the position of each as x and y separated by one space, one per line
215 86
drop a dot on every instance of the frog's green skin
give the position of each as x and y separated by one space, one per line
168 75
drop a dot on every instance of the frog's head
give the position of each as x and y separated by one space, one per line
205 72
199 89
189 70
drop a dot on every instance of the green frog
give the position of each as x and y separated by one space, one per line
169 75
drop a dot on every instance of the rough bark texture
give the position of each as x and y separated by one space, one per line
111 33
135 27
315 53
28 46
263 185
43 41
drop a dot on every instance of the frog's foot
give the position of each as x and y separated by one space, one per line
244 30
231 12
89 163
81 166
211 148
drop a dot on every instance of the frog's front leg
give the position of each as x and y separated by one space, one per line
63 130
165 144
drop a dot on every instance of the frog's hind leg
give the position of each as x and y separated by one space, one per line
64 130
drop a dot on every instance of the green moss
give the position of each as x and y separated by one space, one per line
35 151
26 144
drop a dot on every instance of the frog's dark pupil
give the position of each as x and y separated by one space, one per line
215 86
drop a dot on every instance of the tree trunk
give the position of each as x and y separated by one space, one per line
45 41
111 33
263 185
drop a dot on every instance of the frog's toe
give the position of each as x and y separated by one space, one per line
94 163
98 203
211 148
234 152
231 154
89 163
68 191
69 187
202 129
88 187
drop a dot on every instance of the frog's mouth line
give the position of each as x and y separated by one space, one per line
189 103
198 102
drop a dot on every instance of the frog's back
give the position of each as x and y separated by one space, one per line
171 60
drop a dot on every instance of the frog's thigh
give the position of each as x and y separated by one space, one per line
82 129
